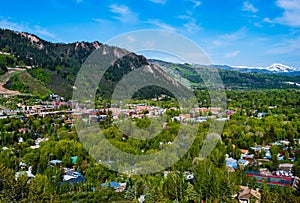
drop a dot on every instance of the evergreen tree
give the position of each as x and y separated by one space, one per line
190 194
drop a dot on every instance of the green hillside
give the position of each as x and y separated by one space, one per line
230 79
55 67
25 83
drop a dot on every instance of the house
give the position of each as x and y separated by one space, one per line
243 163
74 159
201 119
72 175
272 180
73 178
247 157
246 194
28 173
230 162
284 170
203 110
111 184
285 142
119 187
39 140
55 162
185 116
286 167
140 108
178 118
68 171
263 114
244 151
102 116
20 140
226 113
280 158
268 154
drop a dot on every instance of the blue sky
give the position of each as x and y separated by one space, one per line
232 32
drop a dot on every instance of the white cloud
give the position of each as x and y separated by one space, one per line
159 1
232 54
217 43
162 25
196 3
268 20
131 39
23 27
229 39
7 24
235 35
124 14
100 20
249 7
286 46
288 4
43 31
191 23
258 25
290 15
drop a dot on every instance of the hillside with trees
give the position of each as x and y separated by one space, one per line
56 66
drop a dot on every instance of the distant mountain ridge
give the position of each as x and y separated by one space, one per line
56 66
232 78
275 68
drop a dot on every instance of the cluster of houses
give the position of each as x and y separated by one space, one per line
55 104
70 175
247 157
35 110
37 142
44 108
282 177
133 111
193 116
24 172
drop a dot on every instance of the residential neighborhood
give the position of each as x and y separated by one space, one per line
255 162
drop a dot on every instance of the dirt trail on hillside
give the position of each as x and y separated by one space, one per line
3 80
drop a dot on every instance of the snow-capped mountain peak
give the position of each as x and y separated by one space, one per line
277 67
